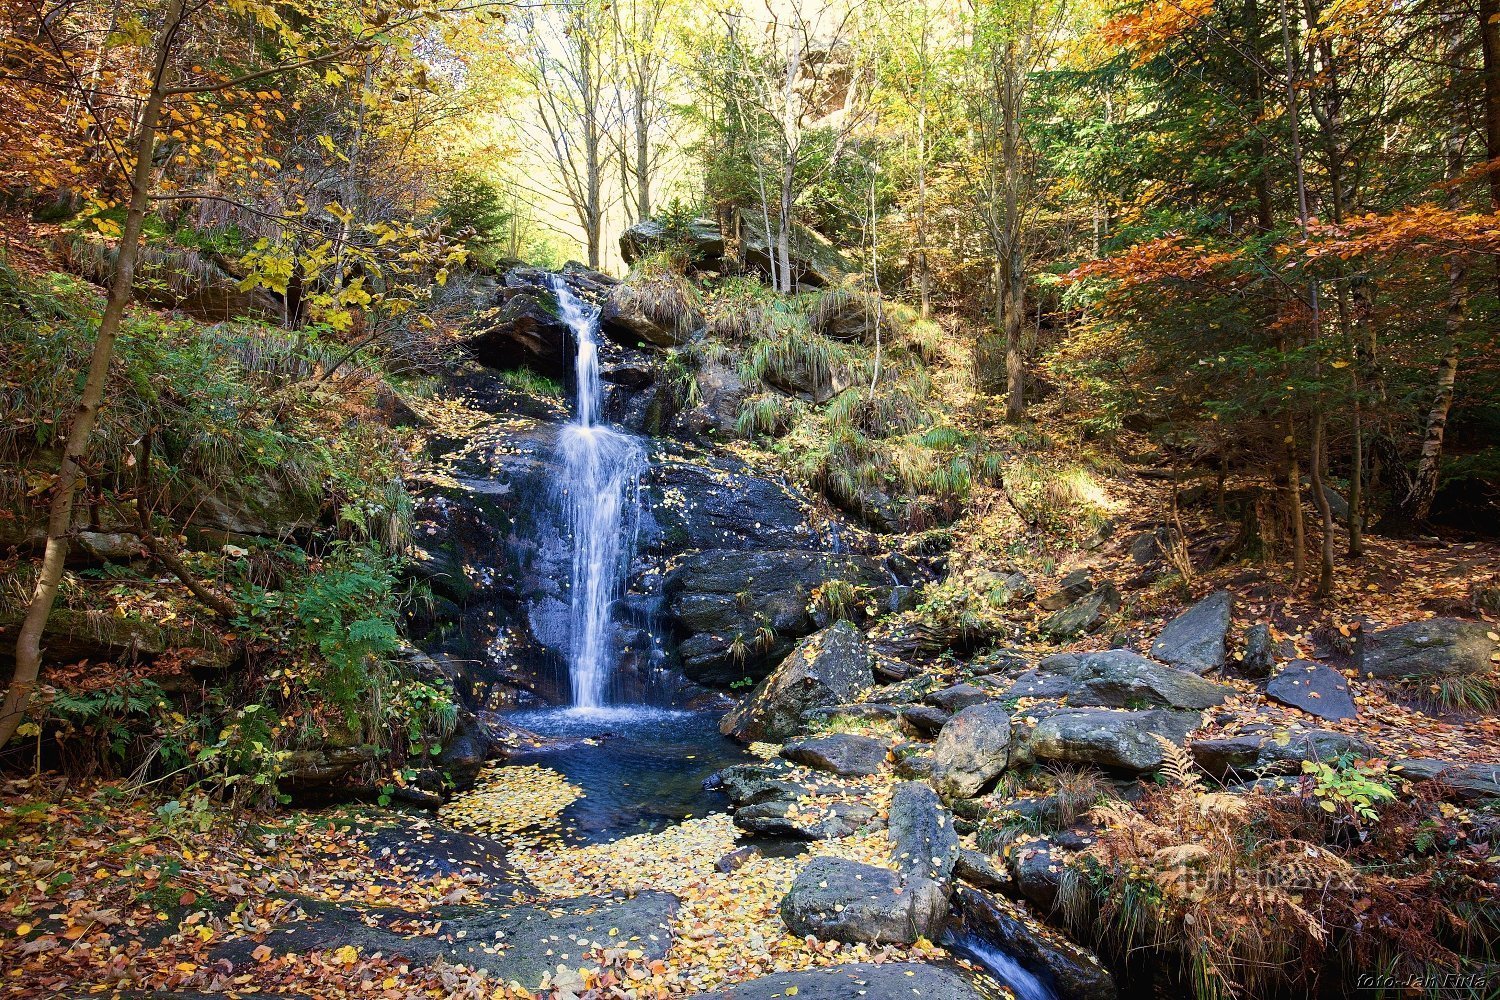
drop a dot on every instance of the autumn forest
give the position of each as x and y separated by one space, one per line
607 499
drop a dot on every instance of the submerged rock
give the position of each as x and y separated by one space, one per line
840 900
1195 640
825 669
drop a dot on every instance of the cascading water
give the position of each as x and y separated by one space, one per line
602 468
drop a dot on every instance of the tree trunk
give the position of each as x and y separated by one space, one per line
1418 505
1319 461
81 427
1489 35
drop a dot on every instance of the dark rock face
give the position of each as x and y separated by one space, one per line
923 841
826 669
738 612
1195 639
749 784
1036 868
700 238
875 982
1119 741
1314 688
1083 616
1120 678
971 751
1074 971
525 332
845 754
843 900
720 505
1438 647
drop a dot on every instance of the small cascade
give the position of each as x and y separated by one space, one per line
602 469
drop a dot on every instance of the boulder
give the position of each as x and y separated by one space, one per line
1083 616
749 784
1036 870
699 238
1314 688
804 819
737 613
1436 648
825 669
814 260
1119 741
971 750
1465 782
980 869
1121 678
923 841
1195 639
840 900
1070 588
719 504
1001 589
1074 972
1268 751
885 981
844 754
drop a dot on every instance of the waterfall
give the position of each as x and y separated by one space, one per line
602 469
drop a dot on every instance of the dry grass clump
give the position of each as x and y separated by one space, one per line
662 295
1249 891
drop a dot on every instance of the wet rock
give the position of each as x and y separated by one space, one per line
923 841
971 751
805 819
1072 587
1195 639
958 697
840 900
738 613
1075 972
1436 648
1120 678
886 981
719 504
845 754
749 784
1084 616
1120 741
867 711
721 395
825 669
1314 688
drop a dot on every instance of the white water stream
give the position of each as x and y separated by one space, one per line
602 468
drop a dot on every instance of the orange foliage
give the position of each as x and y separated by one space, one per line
1150 29
1418 227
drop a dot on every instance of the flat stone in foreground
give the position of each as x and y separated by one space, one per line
891 981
